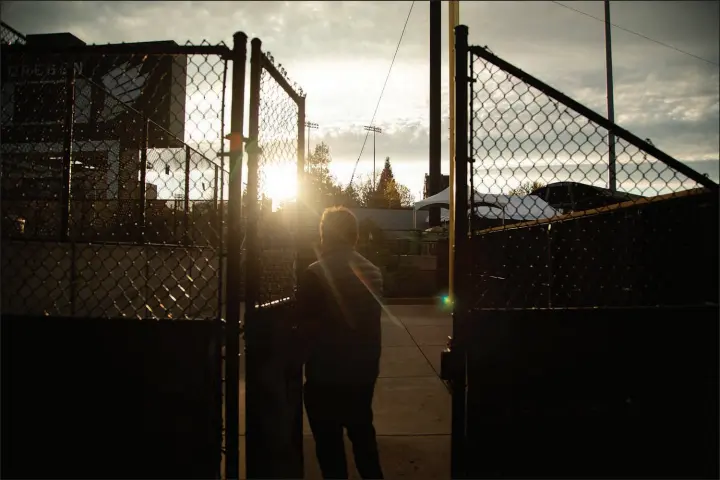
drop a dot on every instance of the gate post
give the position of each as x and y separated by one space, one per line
253 407
302 260
460 304
234 255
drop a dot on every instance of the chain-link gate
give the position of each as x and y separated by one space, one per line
538 157
115 191
560 216
275 147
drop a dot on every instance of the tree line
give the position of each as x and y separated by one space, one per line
324 188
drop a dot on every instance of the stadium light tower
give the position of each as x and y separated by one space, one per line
374 130
310 125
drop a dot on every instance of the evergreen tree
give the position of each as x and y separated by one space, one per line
387 179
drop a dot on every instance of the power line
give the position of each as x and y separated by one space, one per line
638 34
387 77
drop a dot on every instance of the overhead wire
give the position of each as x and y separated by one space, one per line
387 77
637 34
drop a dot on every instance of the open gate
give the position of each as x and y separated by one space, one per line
275 147
585 323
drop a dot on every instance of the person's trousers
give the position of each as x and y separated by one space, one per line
332 407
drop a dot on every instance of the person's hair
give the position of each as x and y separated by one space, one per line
338 227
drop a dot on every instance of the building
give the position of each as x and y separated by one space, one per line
95 129
110 96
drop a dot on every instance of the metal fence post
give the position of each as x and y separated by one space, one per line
69 121
252 271
186 193
300 233
460 304
234 255
143 177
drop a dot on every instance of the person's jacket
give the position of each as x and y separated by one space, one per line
340 306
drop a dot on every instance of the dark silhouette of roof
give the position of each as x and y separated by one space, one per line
574 196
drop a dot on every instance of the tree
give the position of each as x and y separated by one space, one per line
387 179
526 188
387 193
363 190
321 185
404 197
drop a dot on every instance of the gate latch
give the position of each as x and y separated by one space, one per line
452 362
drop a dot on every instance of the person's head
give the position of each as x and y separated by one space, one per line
338 228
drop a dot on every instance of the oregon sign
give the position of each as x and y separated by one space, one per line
112 95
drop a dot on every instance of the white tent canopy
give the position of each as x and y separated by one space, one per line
441 199
494 206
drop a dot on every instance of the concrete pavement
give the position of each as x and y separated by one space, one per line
411 404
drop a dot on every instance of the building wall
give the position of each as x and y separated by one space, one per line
111 148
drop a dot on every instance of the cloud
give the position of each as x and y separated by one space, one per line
340 51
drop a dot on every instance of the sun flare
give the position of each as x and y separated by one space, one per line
280 184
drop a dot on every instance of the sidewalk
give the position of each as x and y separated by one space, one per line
411 405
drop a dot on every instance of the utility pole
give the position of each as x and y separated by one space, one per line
435 106
453 21
612 179
374 130
314 126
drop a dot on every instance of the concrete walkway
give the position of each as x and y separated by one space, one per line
411 405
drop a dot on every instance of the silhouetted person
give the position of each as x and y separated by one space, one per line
339 300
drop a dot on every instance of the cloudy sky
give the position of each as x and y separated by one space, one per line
339 52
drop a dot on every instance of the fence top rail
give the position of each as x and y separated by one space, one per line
13 31
149 48
595 211
612 127
279 76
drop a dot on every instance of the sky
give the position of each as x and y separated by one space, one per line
340 52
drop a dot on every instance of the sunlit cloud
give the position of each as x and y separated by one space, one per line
339 52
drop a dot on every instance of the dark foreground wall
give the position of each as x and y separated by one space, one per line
98 398
603 393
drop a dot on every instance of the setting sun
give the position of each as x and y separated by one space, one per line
280 184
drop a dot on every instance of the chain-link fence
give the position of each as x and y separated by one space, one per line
274 179
566 205
275 148
10 36
581 253
113 192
